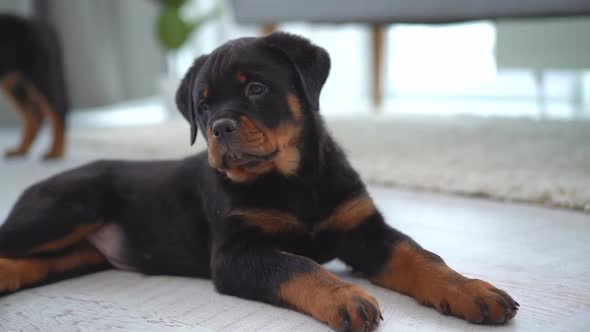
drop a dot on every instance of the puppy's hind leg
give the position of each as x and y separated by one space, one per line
49 89
19 273
45 234
56 213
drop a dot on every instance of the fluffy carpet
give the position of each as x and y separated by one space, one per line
537 161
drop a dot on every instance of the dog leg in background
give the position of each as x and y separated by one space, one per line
49 87
15 87
56 150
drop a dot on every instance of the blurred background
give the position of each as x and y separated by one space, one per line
472 97
481 67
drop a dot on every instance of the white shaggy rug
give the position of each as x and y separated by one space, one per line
538 161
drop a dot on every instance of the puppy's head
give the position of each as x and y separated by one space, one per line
250 98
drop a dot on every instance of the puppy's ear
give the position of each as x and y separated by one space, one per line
184 96
310 62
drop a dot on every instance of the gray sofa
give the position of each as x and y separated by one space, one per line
377 13
401 11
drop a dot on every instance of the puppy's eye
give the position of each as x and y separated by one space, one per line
255 89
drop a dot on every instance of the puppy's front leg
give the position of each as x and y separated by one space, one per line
393 260
279 278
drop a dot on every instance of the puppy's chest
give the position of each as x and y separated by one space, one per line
306 217
294 216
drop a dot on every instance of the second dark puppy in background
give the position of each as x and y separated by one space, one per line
32 76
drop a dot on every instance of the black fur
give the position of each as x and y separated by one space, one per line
174 212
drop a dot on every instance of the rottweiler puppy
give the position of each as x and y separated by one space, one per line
271 199
32 77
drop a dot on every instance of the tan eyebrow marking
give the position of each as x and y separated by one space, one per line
241 77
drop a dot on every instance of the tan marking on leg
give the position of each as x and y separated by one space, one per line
77 235
348 215
17 273
270 222
30 127
56 149
405 273
323 296
424 276
29 123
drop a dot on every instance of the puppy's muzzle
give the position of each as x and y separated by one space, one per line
224 129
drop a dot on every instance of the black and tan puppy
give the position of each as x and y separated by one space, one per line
31 75
271 199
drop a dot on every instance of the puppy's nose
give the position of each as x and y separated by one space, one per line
223 128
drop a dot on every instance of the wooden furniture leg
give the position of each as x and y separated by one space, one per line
268 28
377 58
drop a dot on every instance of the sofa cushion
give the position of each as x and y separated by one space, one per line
401 11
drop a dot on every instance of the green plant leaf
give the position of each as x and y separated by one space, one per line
172 31
173 3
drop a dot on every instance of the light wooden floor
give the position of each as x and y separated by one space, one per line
540 256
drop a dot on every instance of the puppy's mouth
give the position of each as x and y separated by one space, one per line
233 159
252 150
249 146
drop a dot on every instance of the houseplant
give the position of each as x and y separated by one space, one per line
173 29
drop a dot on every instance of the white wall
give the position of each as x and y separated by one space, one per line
109 48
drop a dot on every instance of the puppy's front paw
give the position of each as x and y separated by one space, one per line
478 302
349 308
